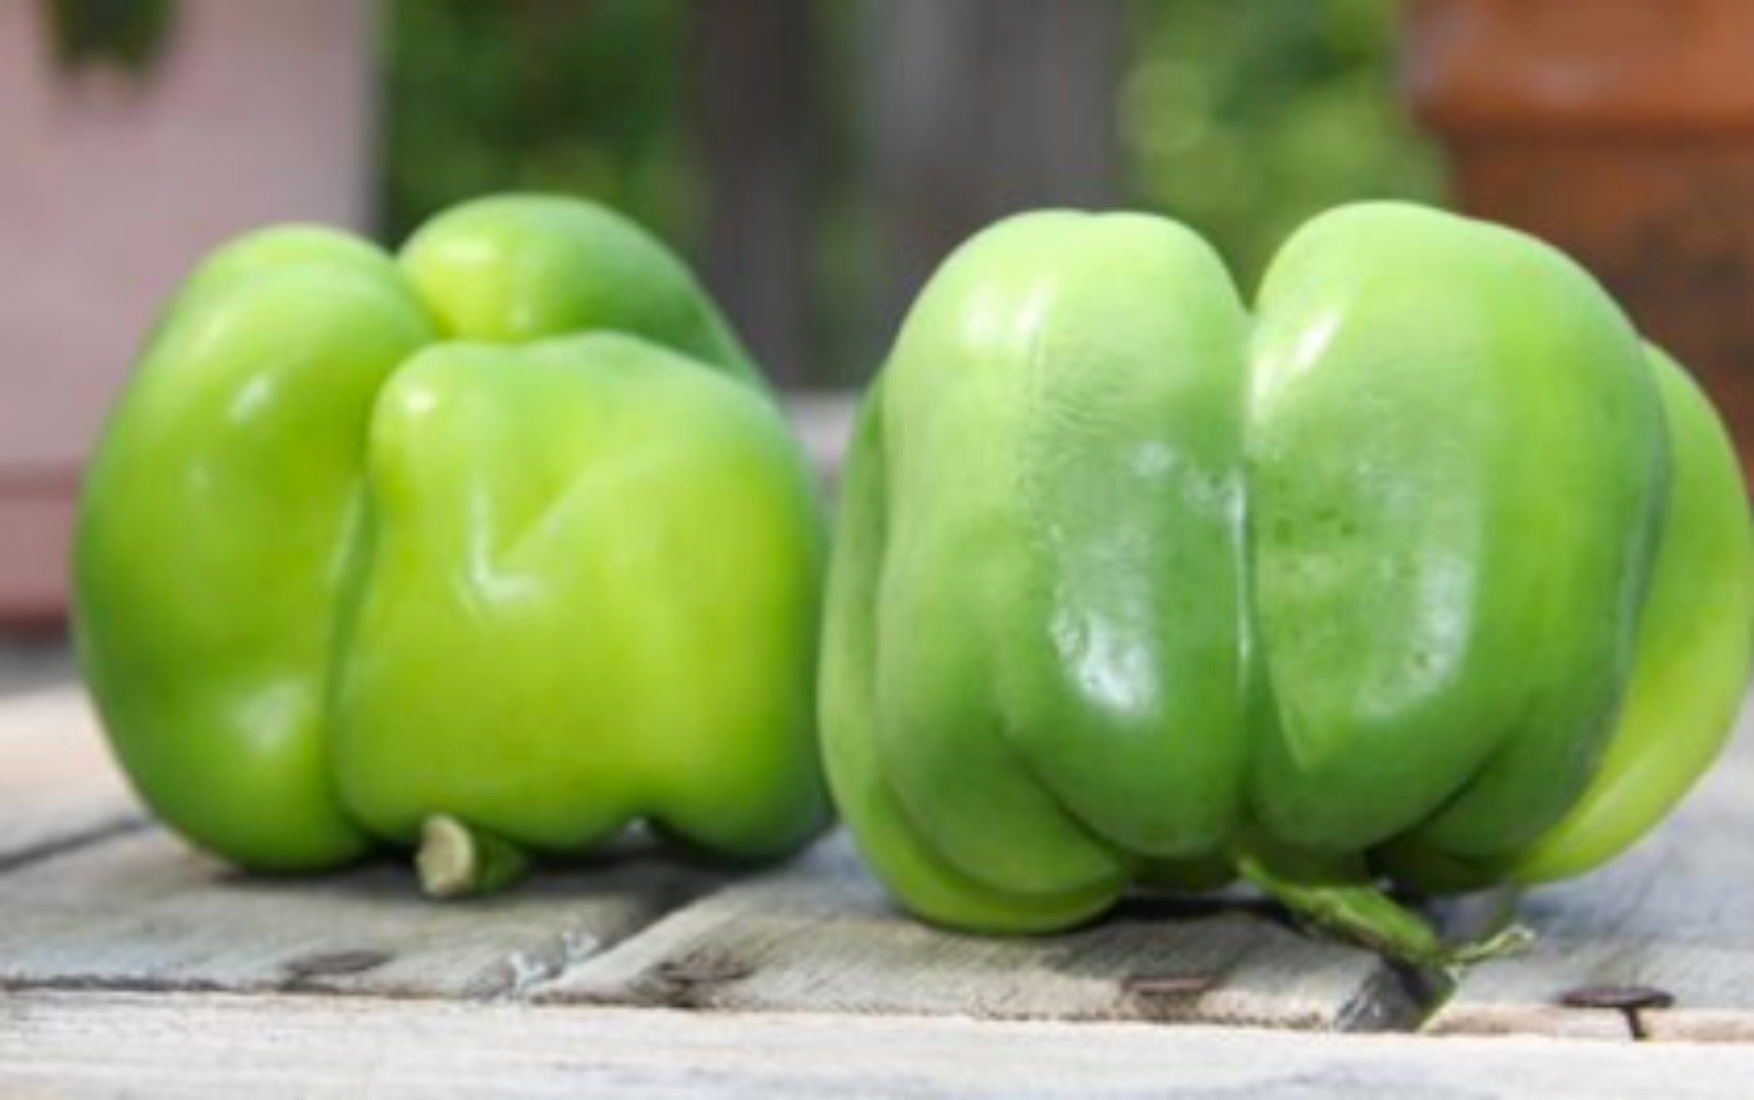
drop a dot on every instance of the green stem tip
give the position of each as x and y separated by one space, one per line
457 860
1345 901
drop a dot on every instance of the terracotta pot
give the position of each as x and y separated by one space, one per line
110 187
1623 131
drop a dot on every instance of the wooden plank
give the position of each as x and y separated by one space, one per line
58 785
1676 913
95 896
820 936
142 911
753 127
200 1045
139 911
823 421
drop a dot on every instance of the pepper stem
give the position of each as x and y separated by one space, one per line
456 860
1341 898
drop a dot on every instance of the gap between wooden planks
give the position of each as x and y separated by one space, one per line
138 911
58 786
93 900
1675 913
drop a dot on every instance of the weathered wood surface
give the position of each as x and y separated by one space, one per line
115 937
94 896
202 1045
824 423
142 912
139 911
821 936
57 785
1676 914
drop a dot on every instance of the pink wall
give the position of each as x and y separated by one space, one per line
111 188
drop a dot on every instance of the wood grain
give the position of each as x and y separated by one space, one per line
142 911
822 937
1676 913
93 895
58 786
66 1044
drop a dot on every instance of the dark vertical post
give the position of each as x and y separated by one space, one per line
980 108
753 131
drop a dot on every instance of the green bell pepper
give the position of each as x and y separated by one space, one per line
491 547
1427 570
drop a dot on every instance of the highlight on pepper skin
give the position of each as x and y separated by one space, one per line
1422 570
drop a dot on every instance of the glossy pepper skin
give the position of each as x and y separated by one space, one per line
501 537
1424 569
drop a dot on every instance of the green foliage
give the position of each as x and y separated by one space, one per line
488 95
128 33
1243 119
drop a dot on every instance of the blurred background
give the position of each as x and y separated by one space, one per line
818 157
815 158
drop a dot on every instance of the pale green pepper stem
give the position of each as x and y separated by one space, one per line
1341 898
456 860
